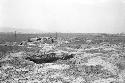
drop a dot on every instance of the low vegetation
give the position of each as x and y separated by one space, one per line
88 58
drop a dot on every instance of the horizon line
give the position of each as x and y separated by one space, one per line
60 32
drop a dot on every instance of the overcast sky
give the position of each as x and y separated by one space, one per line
91 16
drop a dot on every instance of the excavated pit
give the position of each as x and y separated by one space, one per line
48 58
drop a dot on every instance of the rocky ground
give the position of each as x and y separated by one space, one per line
96 64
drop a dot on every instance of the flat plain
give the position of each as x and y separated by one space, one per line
62 58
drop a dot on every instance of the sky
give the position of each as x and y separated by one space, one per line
77 16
